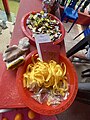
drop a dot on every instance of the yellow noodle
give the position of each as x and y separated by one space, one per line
46 75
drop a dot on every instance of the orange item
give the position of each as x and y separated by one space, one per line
4 119
18 116
31 114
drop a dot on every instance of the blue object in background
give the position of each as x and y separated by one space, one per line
86 32
70 12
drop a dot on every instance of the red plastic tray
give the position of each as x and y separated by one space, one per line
43 108
9 97
28 33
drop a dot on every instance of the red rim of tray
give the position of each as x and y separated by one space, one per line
28 33
43 108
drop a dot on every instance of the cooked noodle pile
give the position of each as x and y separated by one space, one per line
51 76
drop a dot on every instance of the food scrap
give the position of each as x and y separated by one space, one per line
14 55
47 81
43 23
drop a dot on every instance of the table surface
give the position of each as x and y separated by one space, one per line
9 97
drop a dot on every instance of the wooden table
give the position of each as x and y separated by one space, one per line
9 97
